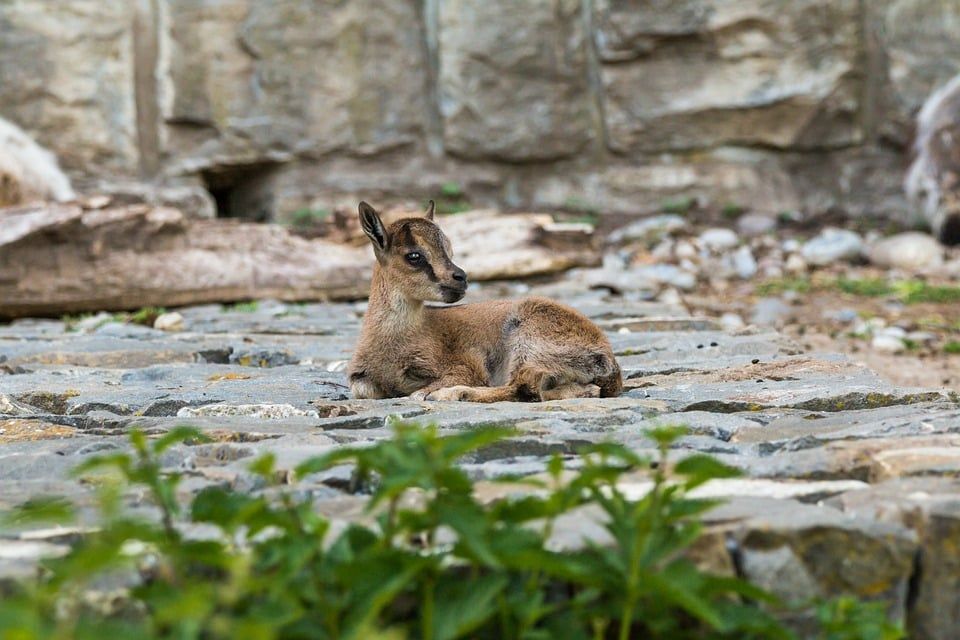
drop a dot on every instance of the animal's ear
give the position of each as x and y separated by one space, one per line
431 207
373 226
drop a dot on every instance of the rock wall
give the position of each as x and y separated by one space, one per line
593 105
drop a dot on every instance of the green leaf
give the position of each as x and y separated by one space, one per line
39 510
666 435
465 604
700 468
177 435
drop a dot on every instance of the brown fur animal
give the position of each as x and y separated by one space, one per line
530 350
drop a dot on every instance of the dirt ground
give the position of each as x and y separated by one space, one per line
816 321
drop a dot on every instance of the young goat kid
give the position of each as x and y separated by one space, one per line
530 350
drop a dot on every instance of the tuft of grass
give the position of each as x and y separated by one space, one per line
779 286
732 211
918 291
575 203
451 190
241 307
679 206
952 347
864 287
145 316
451 200
307 217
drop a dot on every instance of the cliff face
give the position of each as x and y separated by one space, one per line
606 105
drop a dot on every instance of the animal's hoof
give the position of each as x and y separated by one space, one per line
451 394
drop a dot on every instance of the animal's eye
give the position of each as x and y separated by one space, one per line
413 257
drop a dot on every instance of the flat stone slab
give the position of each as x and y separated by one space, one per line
829 451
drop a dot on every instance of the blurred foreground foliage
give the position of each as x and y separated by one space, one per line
433 561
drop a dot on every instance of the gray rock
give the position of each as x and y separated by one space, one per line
930 507
649 230
770 312
832 245
755 224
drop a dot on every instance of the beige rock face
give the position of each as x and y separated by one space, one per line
700 73
513 79
263 81
606 106
68 78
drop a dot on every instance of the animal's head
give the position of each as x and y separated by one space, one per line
414 256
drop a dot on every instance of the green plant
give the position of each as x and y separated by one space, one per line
307 217
732 211
575 203
918 291
451 199
680 205
847 618
451 190
145 316
865 287
248 306
778 286
953 346
434 560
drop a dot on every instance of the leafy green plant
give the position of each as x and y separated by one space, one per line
451 190
145 316
777 286
864 287
732 211
680 205
248 306
434 559
451 199
953 346
308 217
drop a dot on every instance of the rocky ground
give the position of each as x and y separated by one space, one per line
848 478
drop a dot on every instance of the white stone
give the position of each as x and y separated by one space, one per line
684 249
888 344
911 251
731 321
832 245
171 321
790 245
744 263
795 263
261 411
719 239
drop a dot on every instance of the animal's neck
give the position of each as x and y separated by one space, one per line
389 311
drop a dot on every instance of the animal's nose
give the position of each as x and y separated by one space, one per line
459 275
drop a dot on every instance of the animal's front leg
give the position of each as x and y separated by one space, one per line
463 393
460 377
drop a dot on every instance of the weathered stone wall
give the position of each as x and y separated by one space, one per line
598 105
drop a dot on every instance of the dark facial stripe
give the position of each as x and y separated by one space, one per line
428 270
